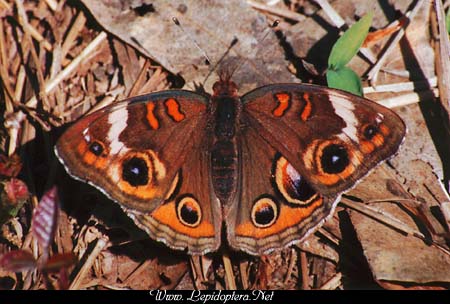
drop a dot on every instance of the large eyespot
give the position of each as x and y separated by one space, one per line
135 171
264 212
292 186
189 212
334 159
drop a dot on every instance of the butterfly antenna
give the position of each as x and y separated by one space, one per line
202 51
213 68
267 32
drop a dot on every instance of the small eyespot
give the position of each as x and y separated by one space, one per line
96 148
189 211
135 171
334 159
264 212
370 131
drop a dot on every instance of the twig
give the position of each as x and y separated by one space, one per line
406 99
52 4
402 86
32 102
329 236
101 244
229 277
383 217
21 77
442 49
372 75
196 271
333 283
4 71
139 270
138 83
304 270
23 20
277 11
292 262
75 29
5 4
243 270
445 208
331 13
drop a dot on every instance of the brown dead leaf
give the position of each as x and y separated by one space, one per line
315 246
128 266
148 26
392 256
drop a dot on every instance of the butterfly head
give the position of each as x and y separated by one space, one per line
225 87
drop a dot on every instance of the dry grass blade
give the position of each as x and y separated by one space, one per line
333 283
52 83
229 275
402 86
292 262
304 271
101 244
74 31
243 270
408 99
445 207
383 217
276 11
372 75
331 13
442 48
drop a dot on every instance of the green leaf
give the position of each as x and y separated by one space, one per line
447 21
349 43
345 79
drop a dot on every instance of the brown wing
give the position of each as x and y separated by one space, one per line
135 152
301 147
276 206
331 137
191 217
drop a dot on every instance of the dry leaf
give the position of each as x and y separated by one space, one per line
392 256
148 26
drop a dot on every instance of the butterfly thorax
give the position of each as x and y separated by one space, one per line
224 153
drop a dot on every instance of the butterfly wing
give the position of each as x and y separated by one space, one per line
276 206
333 138
144 154
302 146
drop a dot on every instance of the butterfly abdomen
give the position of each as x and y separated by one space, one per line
224 152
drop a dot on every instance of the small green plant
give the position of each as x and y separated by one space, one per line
447 21
338 75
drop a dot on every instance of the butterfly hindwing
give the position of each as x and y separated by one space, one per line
276 207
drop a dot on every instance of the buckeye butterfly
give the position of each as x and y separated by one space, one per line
268 168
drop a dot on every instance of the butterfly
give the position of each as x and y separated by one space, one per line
257 173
